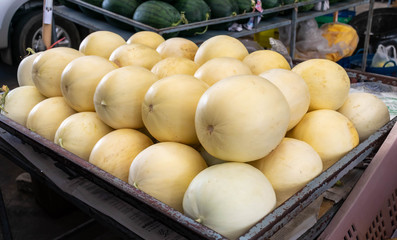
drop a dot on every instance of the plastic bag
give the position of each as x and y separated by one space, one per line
321 6
279 47
341 36
310 43
384 57
332 41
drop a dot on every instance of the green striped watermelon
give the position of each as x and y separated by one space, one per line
194 11
158 14
222 8
124 8
89 12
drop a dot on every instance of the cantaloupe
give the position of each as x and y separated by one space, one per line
329 132
119 95
218 68
80 79
47 69
328 83
169 108
177 47
101 43
294 89
115 151
46 116
241 118
263 60
148 38
165 170
174 65
220 46
79 132
290 167
135 54
367 112
229 198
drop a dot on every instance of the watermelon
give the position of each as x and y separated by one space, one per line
305 8
267 4
158 14
244 6
222 8
89 12
195 11
124 8
69 4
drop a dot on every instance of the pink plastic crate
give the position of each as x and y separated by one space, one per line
370 210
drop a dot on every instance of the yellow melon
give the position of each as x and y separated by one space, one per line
115 151
328 83
79 133
119 95
135 54
229 198
47 69
101 43
220 46
165 170
367 112
177 47
263 60
148 38
80 79
290 167
24 71
218 68
169 108
47 115
174 65
20 101
329 132
241 118
294 89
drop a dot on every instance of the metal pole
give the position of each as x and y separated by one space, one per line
293 31
47 22
367 35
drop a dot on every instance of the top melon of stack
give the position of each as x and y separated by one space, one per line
47 69
101 43
220 46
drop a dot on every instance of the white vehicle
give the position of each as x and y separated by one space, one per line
20 28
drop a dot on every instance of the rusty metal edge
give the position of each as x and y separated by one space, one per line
137 198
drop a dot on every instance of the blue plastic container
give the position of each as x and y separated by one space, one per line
355 62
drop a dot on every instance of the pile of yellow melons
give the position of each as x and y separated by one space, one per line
218 133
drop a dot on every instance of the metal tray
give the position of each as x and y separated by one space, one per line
178 222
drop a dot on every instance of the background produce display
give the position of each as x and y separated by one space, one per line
214 145
170 13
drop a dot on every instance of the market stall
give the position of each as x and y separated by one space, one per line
136 214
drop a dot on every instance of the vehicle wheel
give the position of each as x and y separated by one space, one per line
27 34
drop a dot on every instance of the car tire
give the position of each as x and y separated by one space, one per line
27 31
